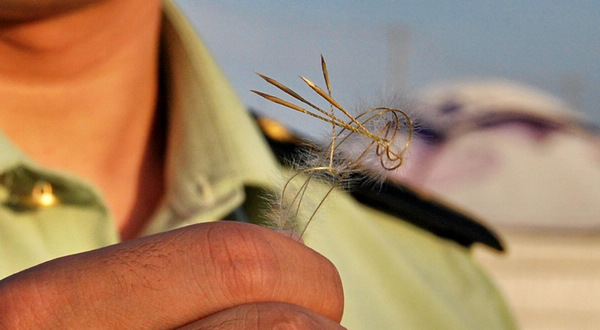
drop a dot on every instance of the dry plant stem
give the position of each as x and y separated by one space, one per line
383 141
331 109
334 120
299 196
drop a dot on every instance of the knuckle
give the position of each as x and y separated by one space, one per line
244 262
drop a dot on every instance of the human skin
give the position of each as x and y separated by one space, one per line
20 10
225 273
73 74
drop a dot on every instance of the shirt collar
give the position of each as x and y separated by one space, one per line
10 155
214 147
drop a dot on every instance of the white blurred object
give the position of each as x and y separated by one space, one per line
510 154
530 166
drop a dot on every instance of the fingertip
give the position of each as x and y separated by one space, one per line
282 267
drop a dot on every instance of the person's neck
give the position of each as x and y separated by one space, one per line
79 93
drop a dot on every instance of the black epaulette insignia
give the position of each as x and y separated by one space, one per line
393 198
425 212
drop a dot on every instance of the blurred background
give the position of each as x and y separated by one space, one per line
375 47
506 93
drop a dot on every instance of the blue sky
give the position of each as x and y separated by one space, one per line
551 45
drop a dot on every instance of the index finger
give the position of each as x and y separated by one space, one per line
174 278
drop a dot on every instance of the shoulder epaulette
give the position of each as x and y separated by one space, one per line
393 198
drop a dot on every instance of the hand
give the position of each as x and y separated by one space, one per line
215 272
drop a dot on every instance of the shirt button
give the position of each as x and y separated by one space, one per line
42 195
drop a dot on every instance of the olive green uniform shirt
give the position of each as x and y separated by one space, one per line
395 276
